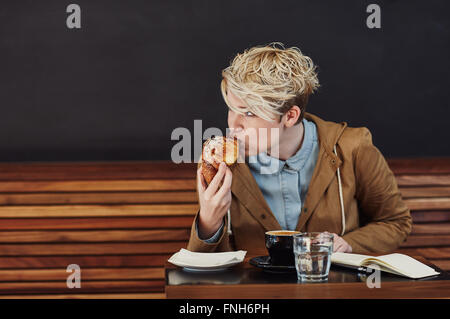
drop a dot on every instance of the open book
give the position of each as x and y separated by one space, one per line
397 264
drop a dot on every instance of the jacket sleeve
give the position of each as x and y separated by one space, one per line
386 219
214 238
199 245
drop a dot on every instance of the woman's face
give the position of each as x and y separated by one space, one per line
255 134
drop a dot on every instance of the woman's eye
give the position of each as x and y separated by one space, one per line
249 114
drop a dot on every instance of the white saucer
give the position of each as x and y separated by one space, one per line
195 268
218 269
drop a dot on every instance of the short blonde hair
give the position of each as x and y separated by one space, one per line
270 80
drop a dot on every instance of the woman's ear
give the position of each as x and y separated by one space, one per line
292 115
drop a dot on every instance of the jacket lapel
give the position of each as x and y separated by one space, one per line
324 173
245 188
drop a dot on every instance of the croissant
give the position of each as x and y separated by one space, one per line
216 150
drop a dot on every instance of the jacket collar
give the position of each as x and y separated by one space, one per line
245 188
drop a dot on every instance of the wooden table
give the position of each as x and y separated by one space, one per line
248 282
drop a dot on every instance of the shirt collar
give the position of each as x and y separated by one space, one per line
296 162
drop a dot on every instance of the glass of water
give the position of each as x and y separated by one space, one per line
313 256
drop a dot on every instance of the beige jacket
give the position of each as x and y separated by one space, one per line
353 194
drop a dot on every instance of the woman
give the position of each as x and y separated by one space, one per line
300 172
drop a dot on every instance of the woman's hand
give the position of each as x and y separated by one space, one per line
214 201
340 245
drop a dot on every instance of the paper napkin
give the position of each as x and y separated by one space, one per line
186 258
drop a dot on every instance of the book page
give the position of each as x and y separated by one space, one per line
404 265
348 259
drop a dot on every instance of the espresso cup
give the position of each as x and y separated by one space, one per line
279 244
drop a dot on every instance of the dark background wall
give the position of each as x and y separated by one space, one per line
136 70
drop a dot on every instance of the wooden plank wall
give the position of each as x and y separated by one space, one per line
425 186
121 221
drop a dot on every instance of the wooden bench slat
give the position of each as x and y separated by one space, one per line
434 165
41 171
34 262
93 236
428 203
423 180
422 194
408 183
150 169
427 241
430 216
60 287
86 274
431 229
418 192
90 249
97 210
99 198
155 222
405 182
97 185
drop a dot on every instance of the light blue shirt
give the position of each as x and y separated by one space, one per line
285 188
284 184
